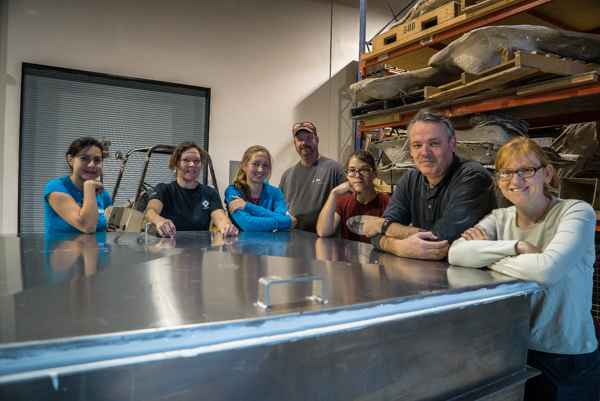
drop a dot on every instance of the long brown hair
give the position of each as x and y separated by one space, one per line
241 181
526 148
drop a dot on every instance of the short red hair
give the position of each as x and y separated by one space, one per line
525 148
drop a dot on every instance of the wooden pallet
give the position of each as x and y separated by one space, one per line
426 21
392 118
566 82
480 102
379 105
523 65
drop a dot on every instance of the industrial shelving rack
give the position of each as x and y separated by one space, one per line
552 108
570 105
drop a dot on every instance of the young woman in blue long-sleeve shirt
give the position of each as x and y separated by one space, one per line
253 204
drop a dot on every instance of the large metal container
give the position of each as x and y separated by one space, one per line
181 319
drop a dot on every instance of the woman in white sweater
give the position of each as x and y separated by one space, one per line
551 241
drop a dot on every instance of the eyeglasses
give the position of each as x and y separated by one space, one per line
526 172
305 124
365 171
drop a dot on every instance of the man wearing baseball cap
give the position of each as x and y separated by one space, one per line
307 185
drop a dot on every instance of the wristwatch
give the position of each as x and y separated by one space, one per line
385 226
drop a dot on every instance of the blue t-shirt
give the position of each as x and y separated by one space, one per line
53 223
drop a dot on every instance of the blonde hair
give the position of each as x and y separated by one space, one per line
523 147
241 181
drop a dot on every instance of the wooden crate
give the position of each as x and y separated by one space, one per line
472 5
426 21
381 53
585 189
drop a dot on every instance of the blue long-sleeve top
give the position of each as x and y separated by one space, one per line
269 214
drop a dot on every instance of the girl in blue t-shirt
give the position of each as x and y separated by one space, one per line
76 203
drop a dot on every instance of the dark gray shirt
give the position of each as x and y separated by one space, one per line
306 189
458 202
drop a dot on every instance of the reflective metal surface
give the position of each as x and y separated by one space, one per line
34 260
123 309
301 245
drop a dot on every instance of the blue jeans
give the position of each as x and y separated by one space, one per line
564 377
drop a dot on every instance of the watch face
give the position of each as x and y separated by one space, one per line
384 226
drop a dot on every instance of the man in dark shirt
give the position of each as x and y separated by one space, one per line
435 203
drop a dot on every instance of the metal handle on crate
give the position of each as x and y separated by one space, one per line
264 283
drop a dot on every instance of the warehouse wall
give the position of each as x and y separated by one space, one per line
269 63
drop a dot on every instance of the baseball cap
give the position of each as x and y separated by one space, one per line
305 126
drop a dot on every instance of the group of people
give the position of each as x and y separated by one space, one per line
444 208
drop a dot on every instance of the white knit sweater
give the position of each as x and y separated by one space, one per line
561 321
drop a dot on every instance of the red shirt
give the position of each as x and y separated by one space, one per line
353 214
